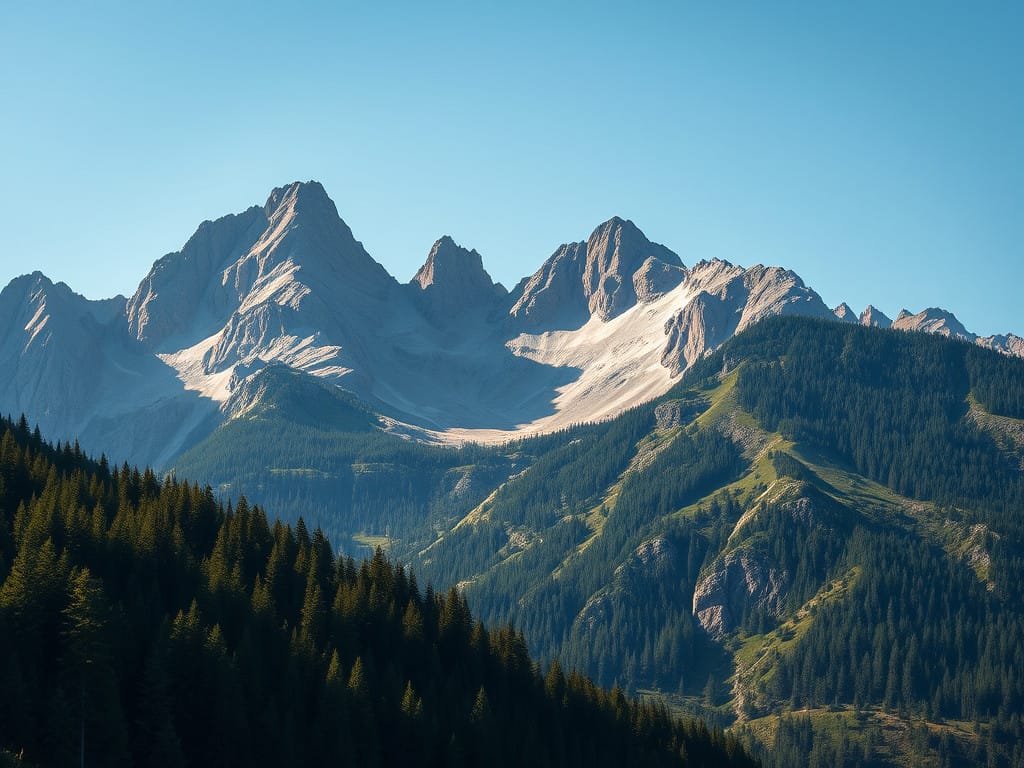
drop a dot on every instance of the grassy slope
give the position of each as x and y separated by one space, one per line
753 655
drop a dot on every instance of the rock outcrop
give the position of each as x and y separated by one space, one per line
552 298
729 299
186 294
874 318
452 282
1008 344
655 278
603 277
845 313
739 579
933 320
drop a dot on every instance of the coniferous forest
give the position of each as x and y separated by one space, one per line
864 486
880 625
143 622
862 492
459 385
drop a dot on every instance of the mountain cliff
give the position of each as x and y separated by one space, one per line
452 282
605 276
604 324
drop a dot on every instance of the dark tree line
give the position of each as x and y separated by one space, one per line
159 627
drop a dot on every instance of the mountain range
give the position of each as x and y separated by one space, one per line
694 481
603 325
812 538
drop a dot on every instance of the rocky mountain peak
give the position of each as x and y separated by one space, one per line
728 299
616 251
655 278
38 295
874 317
304 226
1007 343
452 279
602 325
845 313
189 284
52 350
933 320
614 269
278 253
448 262
304 195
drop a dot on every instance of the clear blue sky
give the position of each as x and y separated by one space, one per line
875 148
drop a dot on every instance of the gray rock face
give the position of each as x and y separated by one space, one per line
616 251
674 413
746 579
701 326
453 281
730 299
874 318
845 313
740 577
52 345
306 291
552 297
230 270
1008 344
933 320
287 283
655 278
73 368
612 267
778 291
187 289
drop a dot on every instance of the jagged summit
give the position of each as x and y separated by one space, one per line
452 280
616 250
306 194
187 288
613 270
874 317
1007 343
33 282
280 254
845 313
729 299
44 297
604 324
303 225
55 347
449 262
933 320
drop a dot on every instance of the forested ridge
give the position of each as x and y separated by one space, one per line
157 626
849 500
816 539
